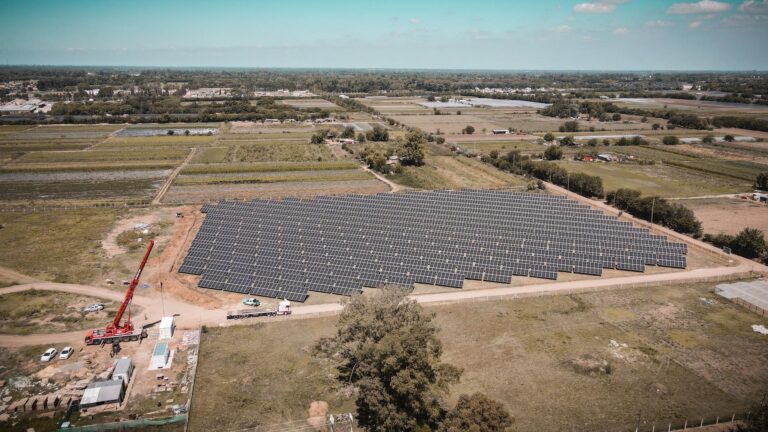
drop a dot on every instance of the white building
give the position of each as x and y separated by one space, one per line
167 327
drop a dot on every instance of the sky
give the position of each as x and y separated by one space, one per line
391 34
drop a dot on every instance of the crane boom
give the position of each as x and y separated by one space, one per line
132 288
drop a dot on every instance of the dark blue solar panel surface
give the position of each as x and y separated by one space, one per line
337 245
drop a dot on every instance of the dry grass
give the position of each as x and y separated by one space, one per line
519 352
60 246
29 312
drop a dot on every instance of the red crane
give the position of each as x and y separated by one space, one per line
115 332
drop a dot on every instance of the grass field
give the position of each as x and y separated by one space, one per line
274 151
155 143
267 167
660 180
102 156
674 357
485 147
33 311
275 177
455 172
670 155
60 246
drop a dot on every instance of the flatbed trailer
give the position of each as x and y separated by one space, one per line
254 313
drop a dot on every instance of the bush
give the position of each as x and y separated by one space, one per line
749 243
670 140
761 181
553 153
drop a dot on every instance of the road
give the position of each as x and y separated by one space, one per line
392 185
167 185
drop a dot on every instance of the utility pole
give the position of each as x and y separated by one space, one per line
653 204
162 299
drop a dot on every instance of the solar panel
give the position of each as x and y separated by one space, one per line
285 248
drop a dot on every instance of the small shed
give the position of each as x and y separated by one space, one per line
123 370
167 327
103 392
160 356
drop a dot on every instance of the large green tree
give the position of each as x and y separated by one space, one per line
761 182
388 348
411 151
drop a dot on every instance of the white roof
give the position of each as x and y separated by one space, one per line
166 322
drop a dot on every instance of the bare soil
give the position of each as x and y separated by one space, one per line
729 215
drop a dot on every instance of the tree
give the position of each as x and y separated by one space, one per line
656 126
761 181
430 98
709 139
476 413
670 140
758 418
469 130
570 126
319 136
388 348
411 152
549 137
749 243
606 142
458 112
616 116
378 133
729 138
592 142
361 137
440 140
567 141
644 119
553 153
348 132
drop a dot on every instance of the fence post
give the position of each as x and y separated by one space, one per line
669 428
718 420
686 425
702 422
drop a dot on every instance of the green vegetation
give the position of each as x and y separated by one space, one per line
268 167
387 347
749 243
273 151
656 210
102 156
761 181
62 246
553 153
276 177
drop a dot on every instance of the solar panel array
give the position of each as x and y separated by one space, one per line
285 248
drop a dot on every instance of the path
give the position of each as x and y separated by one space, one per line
392 185
706 197
167 185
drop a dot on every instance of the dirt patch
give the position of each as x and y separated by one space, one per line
722 154
208 193
109 244
166 263
318 410
728 215
591 365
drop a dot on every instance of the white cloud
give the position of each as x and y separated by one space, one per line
703 6
754 6
620 31
658 24
564 29
413 20
695 24
594 7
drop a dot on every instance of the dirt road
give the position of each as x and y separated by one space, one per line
392 185
167 185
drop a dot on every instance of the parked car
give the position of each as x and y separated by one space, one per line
49 355
93 308
66 353
250 301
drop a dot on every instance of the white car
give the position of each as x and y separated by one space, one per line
66 353
93 308
48 355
